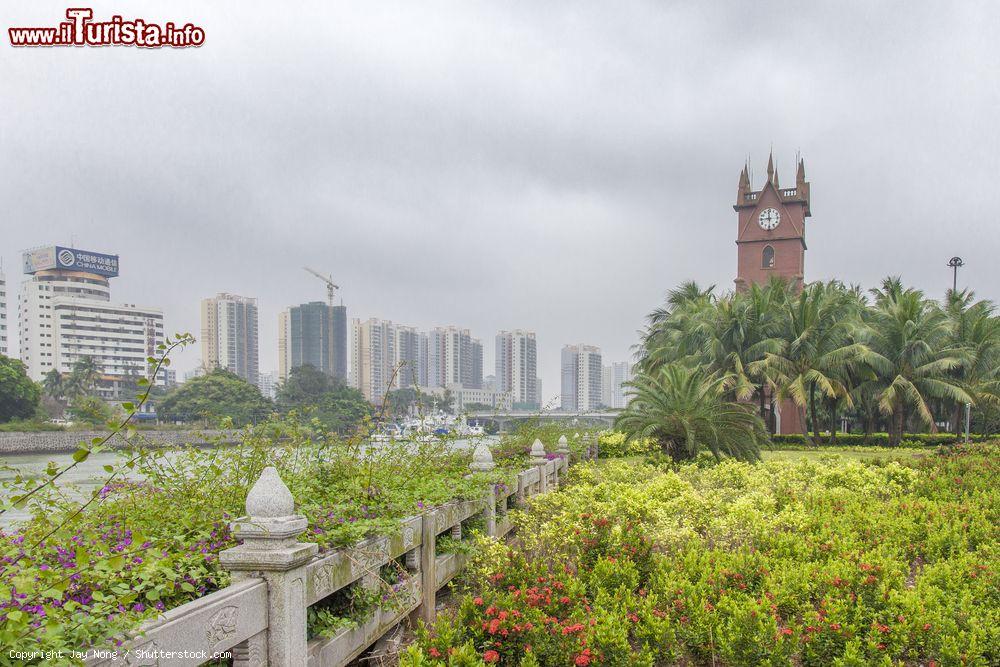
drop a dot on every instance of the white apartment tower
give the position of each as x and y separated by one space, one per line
454 357
517 367
373 356
65 313
613 389
229 335
582 373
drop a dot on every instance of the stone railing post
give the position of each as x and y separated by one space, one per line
562 449
482 461
428 567
270 550
538 460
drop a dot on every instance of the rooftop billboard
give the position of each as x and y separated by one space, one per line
73 259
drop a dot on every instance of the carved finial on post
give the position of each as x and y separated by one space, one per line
482 459
538 452
563 446
269 531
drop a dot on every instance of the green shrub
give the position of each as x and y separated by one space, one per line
835 562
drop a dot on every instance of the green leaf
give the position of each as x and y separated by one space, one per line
115 562
109 468
128 406
142 382
53 593
81 455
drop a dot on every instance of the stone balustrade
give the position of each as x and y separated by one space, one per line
261 618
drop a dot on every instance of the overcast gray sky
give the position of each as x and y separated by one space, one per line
551 166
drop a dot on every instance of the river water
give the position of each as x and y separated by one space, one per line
89 474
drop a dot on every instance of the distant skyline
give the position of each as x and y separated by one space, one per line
554 167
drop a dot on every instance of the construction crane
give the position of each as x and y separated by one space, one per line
331 287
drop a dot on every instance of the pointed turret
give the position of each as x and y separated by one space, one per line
770 166
800 176
775 180
744 187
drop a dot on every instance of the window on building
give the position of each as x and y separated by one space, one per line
767 259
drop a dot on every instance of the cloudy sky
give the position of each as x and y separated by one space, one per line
552 166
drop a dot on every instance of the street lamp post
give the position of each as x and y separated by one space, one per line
955 263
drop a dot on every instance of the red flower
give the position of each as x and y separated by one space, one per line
564 600
927 626
491 656
478 602
434 652
583 659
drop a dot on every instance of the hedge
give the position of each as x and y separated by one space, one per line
876 439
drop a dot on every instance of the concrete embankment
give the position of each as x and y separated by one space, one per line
41 442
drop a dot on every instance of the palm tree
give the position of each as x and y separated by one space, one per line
913 356
82 377
975 328
672 331
817 345
684 411
53 385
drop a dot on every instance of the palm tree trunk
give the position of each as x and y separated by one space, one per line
805 425
812 410
897 423
833 422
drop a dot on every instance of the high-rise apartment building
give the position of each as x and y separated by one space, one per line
229 335
373 355
408 356
581 378
517 367
313 333
613 384
65 314
3 314
268 385
454 357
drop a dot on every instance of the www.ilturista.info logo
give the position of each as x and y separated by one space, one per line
80 30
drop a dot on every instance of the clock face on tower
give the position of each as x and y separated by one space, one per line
769 219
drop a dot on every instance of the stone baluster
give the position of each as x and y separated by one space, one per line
562 449
427 611
538 460
482 461
270 550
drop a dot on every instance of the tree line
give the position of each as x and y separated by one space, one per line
887 358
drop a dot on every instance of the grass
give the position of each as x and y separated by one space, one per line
855 453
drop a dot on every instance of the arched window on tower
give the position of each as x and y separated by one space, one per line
767 258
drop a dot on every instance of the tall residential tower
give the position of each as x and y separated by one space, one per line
517 368
229 335
581 378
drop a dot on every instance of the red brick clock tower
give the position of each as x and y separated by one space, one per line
771 237
771 241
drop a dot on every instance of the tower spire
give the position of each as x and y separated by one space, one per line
770 165
775 180
800 176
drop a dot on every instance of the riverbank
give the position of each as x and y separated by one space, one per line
56 442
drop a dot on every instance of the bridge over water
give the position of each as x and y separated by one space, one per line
504 419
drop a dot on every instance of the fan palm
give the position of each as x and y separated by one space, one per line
684 410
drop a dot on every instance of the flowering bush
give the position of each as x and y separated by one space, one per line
78 579
836 562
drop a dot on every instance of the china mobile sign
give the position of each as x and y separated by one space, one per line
82 30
